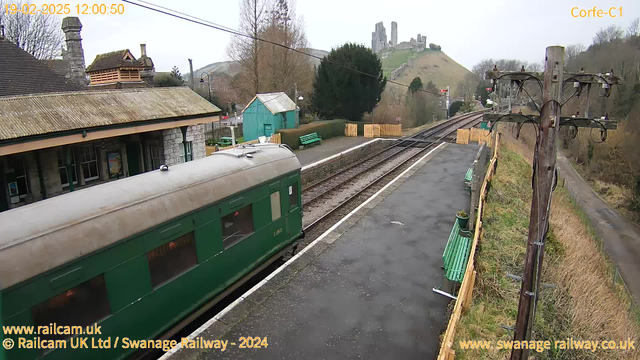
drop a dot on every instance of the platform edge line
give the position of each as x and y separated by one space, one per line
229 307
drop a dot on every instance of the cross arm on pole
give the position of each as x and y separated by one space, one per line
607 124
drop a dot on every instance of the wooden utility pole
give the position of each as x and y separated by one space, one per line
545 165
546 125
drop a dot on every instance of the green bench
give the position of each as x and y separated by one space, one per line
468 177
310 139
456 253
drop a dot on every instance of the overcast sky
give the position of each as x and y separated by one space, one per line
468 31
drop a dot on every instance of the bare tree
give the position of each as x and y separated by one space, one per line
247 51
609 34
571 53
481 68
634 28
286 67
534 67
38 34
467 87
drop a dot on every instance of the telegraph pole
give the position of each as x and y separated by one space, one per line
545 165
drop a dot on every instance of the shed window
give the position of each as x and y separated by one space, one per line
237 226
171 259
275 206
82 305
293 195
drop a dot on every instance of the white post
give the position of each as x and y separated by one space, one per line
233 136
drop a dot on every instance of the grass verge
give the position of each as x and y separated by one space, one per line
585 304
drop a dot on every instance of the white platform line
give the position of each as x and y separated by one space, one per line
338 154
204 326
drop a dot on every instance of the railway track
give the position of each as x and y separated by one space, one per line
389 163
325 198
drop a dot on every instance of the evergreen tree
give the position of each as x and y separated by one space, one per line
175 72
416 85
343 93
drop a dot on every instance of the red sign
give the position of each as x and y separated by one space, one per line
489 89
444 90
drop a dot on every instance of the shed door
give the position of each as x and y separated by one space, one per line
268 130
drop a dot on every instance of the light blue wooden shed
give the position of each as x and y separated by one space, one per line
268 113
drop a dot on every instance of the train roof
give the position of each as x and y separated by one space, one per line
44 235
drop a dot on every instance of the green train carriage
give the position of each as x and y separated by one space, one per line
140 254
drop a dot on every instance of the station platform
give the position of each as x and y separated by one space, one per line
363 289
328 148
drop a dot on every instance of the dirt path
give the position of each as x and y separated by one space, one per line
621 238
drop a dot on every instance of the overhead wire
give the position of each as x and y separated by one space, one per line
210 24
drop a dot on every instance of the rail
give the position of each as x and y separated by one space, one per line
473 118
406 141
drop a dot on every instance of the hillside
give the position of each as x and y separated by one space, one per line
229 68
427 64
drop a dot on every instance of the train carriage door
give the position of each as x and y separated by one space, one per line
294 213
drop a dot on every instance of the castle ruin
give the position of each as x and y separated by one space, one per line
379 41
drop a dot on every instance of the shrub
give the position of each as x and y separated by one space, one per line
326 130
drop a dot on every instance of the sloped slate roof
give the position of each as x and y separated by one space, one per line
113 60
21 73
276 102
23 116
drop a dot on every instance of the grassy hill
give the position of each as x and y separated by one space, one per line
428 65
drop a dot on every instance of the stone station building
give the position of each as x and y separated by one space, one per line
53 143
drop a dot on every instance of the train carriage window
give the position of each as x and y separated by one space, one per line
293 195
82 305
171 259
237 226
275 206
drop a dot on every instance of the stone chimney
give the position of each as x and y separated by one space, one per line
74 55
149 70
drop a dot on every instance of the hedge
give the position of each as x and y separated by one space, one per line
326 130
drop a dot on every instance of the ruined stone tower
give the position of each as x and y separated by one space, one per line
74 55
379 38
394 33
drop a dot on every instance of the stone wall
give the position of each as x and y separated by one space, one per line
328 168
174 149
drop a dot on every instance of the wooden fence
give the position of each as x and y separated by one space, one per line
463 300
274 139
377 130
462 136
351 130
479 135
390 130
372 130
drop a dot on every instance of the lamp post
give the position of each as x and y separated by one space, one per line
208 82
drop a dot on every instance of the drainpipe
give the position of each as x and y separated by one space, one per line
184 141
43 190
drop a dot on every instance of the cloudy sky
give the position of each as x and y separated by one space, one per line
468 30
